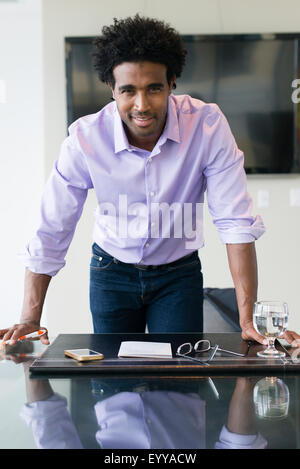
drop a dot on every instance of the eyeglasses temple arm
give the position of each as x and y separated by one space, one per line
193 359
213 353
235 353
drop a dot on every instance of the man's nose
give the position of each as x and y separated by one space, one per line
141 103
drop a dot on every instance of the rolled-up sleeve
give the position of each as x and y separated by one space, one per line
61 207
229 440
226 184
51 424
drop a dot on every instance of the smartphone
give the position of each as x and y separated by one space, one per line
84 354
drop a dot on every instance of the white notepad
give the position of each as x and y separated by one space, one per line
145 349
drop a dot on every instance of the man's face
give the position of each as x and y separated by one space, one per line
141 92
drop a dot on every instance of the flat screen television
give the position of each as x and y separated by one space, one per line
250 76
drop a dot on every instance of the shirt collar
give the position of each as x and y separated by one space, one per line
120 138
171 130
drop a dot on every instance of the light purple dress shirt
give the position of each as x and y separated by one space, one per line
150 204
155 419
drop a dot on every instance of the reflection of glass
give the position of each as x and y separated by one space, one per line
270 319
271 398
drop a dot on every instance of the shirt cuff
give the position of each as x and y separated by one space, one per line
50 408
243 234
51 424
41 264
229 440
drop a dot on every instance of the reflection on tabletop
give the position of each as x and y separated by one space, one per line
159 414
141 418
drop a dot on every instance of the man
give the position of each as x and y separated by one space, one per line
149 156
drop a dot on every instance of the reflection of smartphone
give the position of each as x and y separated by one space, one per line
84 354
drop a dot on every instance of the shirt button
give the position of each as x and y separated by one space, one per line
153 224
148 421
152 194
147 245
150 160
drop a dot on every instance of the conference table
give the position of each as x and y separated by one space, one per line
50 401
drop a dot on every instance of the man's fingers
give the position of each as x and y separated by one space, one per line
18 330
9 333
3 332
251 334
288 337
11 336
14 337
292 338
45 339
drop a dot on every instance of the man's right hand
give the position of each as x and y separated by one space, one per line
17 330
35 289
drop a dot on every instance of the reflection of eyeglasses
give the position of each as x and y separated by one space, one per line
204 346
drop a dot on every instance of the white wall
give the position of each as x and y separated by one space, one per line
278 250
22 155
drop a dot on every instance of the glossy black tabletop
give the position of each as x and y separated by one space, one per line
146 411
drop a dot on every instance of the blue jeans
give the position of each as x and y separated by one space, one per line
124 298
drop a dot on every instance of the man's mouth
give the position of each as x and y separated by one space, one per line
142 121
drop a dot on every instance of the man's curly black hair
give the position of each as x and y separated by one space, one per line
136 39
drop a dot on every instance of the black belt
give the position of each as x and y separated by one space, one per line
161 266
100 251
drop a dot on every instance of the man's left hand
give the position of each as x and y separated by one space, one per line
249 333
292 338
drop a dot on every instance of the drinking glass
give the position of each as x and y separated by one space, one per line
270 319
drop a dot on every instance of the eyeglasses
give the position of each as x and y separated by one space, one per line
204 345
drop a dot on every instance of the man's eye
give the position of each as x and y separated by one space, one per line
155 90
